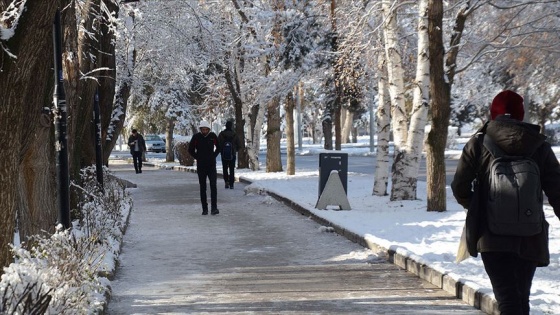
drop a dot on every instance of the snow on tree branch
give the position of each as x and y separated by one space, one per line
8 23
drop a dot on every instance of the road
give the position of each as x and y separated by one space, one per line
356 163
363 164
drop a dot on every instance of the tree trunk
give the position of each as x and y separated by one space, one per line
233 87
117 117
273 137
439 88
107 87
169 154
242 157
418 116
80 91
402 187
327 132
290 136
348 119
337 106
383 162
37 208
21 105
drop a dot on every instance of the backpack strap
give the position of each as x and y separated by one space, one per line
493 148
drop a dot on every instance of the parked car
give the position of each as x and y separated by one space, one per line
154 143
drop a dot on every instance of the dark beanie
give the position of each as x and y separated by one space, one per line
229 124
507 102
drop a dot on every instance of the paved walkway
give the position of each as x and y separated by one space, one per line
257 256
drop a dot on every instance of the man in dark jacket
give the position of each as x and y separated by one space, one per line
204 148
137 147
228 163
510 261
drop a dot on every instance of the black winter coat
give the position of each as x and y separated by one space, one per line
141 142
204 149
519 139
229 135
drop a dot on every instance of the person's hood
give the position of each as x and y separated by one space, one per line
229 125
204 124
515 137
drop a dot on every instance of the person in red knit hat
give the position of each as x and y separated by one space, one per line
509 260
507 102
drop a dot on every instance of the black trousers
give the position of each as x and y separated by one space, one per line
511 278
210 173
229 171
137 160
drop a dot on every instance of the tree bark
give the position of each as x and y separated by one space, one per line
439 88
290 135
21 105
418 116
402 187
348 118
233 87
273 137
107 86
337 106
383 161
326 123
80 90
255 117
37 209
169 155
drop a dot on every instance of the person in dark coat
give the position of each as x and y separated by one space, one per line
137 148
204 148
509 261
229 165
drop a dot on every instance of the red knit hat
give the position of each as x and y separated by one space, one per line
507 102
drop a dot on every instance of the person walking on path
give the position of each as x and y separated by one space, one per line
509 260
204 148
229 142
137 148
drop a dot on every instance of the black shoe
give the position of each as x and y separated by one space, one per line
231 186
140 171
227 185
214 211
204 212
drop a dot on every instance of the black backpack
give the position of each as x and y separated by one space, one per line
515 198
227 150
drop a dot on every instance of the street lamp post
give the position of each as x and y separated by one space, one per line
61 117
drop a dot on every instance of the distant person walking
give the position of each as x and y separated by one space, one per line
505 221
204 147
229 144
137 147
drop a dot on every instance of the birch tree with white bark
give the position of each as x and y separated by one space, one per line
408 136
